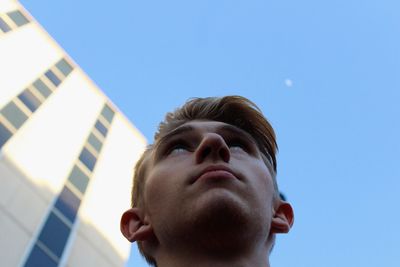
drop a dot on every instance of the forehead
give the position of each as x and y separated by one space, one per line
202 126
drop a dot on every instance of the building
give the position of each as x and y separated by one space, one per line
66 155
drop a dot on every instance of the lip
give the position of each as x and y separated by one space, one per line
215 172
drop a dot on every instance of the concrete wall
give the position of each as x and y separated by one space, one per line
36 161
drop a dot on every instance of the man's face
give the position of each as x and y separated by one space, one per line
207 172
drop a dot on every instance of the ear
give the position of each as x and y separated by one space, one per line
283 217
133 226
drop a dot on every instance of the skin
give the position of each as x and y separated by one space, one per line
209 200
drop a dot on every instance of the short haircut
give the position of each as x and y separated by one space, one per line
234 110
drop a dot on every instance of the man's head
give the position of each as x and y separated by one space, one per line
210 171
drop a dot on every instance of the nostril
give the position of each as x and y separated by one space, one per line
212 146
206 151
225 154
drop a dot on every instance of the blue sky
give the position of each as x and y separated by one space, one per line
326 74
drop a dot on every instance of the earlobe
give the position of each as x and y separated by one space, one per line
133 226
283 218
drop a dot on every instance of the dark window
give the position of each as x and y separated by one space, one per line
39 258
102 129
54 234
79 179
42 88
108 113
14 115
30 100
4 26
53 78
95 142
87 159
18 17
64 67
5 134
68 204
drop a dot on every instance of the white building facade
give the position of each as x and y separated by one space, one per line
66 155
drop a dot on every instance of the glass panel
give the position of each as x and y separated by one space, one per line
68 204
42 88
5 134
87 159
31 101
79 179
64 67
18 17
4 26
95 142
53 78
102 129
55 234
108 113
39 258
14 115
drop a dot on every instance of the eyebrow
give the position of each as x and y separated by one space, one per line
176 131
236 130
188 128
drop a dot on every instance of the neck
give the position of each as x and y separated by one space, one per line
257 257
205 261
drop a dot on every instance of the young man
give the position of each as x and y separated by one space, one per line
205 193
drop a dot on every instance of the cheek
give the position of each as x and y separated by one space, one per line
262 183
153 193
159 192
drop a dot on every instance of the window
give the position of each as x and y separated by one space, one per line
108 113
68 204
54 234
14 114
42 88
102 129
30 100
18 17
64 67
79 179
39 258
87 159
53 78
4 26
5 134
95 142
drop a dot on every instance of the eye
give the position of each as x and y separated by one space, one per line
177 149
237 145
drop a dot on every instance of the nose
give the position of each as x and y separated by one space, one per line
212 147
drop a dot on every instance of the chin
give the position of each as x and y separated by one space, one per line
221 222
221 210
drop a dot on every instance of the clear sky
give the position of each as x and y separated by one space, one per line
325 73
